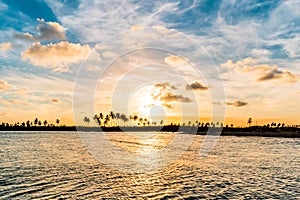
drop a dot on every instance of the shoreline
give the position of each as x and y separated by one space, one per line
287 132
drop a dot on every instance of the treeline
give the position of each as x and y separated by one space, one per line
114 122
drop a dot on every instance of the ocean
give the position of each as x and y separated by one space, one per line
62 165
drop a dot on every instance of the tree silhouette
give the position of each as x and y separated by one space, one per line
249 121
86 120
101 116
36 121
112 116
28 123
57 121
106 120
97 120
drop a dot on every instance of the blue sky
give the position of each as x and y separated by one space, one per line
254 44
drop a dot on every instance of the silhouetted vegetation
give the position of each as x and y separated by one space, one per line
115 122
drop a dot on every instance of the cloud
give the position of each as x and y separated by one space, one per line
264 72
167 105
167 97
237 103
22 91
55 100
136 27
4 85
5 46
293 46
15 102
99 20
26 36
165 85
48 31
170 97
260 53
240 63
3 114
196 86
56 56
176 60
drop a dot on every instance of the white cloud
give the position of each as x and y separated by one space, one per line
293 47
56 56
96 21
258 53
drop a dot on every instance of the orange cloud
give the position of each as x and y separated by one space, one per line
54 100
167 105
3 114
237 103
15 102
56 56
4 85
176 60
136 27
170 97
264 72
165 85
22 91
196 86
5 46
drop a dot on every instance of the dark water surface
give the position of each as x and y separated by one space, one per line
55 165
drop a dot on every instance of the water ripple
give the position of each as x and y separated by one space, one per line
57 166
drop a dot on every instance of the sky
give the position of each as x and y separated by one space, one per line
172 60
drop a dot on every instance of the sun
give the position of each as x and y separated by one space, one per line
141 101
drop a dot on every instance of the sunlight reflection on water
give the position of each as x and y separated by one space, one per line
56 165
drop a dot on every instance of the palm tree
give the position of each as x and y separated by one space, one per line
28 123
97 120
36 121
141 121
112 116
101 116
249 121
135 118
106 120
125 120
86 120
118 117
278 125
57 121
161 122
